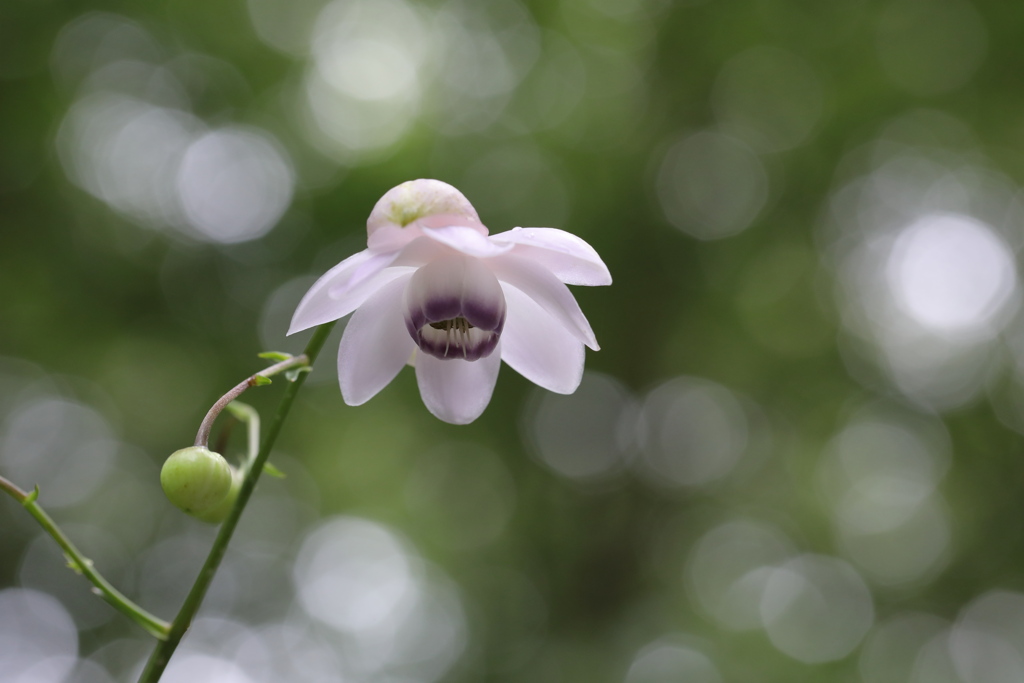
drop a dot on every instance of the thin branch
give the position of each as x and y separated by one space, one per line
83 565
163 651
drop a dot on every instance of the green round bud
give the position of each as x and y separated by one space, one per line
218 512
197 480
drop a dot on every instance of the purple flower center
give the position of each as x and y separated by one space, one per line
455 309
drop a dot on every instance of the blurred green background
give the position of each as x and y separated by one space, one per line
797 456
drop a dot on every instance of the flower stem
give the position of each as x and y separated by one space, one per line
163 651
83 565
203 437
247 414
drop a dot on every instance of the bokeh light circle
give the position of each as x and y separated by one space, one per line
353 574
729 568
666 660
891 651
951 274
692 432
234 185
711 185
64 447
816 608
38 639
879 476
987 642
585 435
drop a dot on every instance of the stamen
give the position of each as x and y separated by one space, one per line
457 323
458 336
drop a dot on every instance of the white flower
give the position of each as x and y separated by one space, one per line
432 279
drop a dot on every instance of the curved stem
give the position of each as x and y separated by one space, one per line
83 565
247 414
203 437
162 654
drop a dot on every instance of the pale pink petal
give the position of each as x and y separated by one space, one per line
375 345
571 259
454 390
444 220
363 272
467 240
391 237
342 289
545 289
539 347
317 306
420 252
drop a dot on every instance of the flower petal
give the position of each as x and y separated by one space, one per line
467 240
571 259
457 391
420 252
444 220
455 285
375 345
538 283
343 288
373 265
455 308
392 237
317 307
539 347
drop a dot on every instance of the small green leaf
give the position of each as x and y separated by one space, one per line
73 564
273 471
275 355
293 374
260 381
31 498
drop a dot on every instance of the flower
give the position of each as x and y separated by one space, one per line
434 290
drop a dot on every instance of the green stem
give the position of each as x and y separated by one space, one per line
83 565
247 414
162 654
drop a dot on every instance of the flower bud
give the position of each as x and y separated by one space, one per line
418 199
198 481
219 512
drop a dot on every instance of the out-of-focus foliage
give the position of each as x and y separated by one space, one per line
797 456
